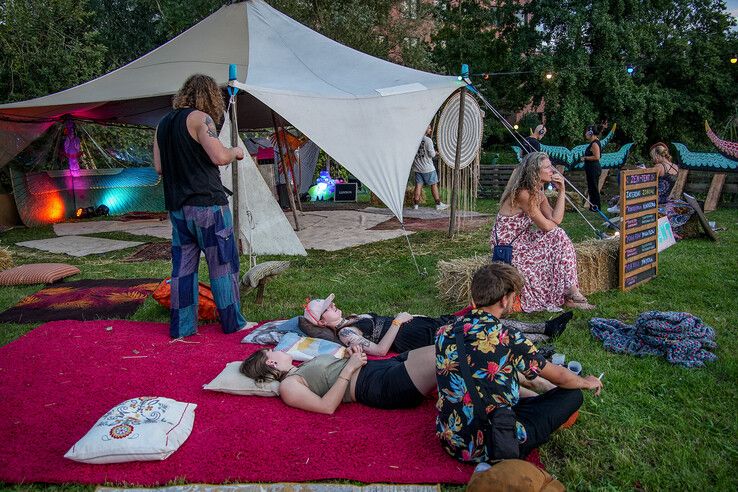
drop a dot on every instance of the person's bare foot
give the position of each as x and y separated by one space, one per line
577 301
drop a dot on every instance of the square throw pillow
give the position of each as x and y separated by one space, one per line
230 380
271 332
142 429
37 273
306 348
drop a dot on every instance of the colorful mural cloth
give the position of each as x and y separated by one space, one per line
82 300
496 355
725 147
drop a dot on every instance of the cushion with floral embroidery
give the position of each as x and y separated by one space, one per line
148 428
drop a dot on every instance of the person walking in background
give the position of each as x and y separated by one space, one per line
425 171
187 154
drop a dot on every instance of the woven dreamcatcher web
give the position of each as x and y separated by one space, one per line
471 141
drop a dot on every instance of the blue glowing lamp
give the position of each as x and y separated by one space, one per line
630 69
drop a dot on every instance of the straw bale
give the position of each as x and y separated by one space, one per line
597 265
454 278
6 260
597 268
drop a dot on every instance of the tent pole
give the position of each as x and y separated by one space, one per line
232 91
455 179
284 172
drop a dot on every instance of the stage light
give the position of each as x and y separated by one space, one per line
79 213
734 59
549 76
89 212
102 210
630 69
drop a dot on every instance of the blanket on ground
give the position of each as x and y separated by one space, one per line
58 379
680 337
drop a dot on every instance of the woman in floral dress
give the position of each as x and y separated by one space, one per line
542 251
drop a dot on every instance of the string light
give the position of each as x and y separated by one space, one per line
630 69
734 59
549 76
516 127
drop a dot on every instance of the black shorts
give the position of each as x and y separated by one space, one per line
386 384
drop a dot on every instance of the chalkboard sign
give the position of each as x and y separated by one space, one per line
345 192
639 227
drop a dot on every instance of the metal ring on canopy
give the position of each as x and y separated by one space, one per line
448 123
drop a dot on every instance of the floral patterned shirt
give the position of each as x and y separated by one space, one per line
496 356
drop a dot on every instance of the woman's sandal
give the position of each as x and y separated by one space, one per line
579 302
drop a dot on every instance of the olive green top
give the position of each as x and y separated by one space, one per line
321 374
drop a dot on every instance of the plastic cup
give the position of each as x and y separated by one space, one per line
558 359
575 367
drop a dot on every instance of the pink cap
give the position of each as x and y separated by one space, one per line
314 309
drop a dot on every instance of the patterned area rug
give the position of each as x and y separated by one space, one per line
152 251
82 300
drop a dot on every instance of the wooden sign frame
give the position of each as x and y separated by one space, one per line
639 209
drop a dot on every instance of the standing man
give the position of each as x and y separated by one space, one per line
187 154
534 140
425 171
479 366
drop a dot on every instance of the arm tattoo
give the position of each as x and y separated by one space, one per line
350 337
211 126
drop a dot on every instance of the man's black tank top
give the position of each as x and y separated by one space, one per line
188 174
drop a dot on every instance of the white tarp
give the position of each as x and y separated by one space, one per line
264 228
366 113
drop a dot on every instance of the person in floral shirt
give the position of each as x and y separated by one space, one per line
497 356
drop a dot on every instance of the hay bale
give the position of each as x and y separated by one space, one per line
597 268
598 265
6 260
454 278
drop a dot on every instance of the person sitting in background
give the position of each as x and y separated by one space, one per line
493 422
678 211
425 171
544 255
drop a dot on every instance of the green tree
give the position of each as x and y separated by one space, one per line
679 49
47 46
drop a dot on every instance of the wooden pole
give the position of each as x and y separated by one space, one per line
290 196
455 178
234 178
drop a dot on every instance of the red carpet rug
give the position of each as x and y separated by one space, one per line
56 381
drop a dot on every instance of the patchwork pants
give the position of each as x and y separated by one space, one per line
207 229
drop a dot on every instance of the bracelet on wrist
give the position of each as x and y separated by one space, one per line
345 379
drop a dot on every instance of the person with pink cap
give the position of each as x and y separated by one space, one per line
378 335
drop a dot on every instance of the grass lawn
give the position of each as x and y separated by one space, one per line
655 427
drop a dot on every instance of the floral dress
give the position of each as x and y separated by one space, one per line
546 260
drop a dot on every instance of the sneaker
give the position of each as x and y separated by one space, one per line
441 206
415 207
615 209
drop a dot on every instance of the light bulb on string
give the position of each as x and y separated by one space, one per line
734 59
630 69
516 126
549 75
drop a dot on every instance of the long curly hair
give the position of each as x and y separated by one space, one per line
660 151
201 92
526 176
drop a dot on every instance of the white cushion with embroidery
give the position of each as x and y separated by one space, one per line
141 429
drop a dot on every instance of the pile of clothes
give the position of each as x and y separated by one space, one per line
680 337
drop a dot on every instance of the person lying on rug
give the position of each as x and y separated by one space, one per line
541 250
491 421
323 383
377 335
